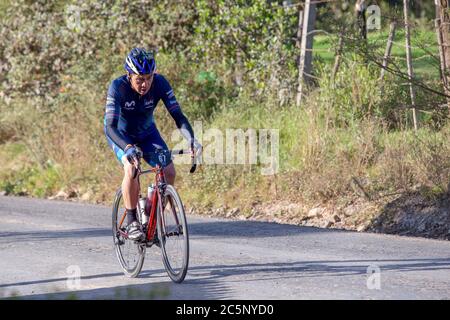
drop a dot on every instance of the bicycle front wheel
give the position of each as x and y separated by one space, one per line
129 253
173 235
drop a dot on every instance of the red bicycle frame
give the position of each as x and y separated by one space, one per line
159 178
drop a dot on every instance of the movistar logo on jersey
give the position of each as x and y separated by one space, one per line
129 105
148 103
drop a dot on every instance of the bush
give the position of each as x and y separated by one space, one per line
232 64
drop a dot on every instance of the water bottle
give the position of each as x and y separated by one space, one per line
151 189
144 216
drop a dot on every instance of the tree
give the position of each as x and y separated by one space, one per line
360 10
443 34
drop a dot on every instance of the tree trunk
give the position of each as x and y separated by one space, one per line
337 59
443 35
437 25
360 9
298 40
387 53
238 67
305 63
409 60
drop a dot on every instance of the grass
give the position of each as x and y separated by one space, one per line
20 175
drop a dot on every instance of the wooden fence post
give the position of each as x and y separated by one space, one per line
442 24
409 61
387 53
305 63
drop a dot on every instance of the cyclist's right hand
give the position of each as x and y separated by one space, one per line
132 154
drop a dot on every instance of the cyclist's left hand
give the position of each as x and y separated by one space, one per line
196 150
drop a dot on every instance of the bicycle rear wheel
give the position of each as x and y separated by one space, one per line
173 235
129 253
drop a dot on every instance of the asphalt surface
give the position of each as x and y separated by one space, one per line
44 243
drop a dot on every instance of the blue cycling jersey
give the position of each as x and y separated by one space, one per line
129 116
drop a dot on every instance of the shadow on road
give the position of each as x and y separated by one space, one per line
207 282
146 291
51 235
271 271
189 290
225 228
254 229
46 281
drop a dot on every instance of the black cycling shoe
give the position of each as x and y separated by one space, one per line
134 231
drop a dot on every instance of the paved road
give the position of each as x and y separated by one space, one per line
42 242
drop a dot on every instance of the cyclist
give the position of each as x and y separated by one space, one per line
129 123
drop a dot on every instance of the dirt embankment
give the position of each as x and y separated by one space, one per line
409 214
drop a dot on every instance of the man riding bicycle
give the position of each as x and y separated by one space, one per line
129 124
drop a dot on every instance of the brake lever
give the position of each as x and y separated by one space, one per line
136 166
194 165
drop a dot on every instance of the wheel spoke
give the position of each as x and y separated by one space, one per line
175 244
130 254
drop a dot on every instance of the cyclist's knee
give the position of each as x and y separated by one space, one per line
170 172
128 169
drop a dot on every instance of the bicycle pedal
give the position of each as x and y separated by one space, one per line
119 242
141 240
155 241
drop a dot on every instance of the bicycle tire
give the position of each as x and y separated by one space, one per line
170 233
133 270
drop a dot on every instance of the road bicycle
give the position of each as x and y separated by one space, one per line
166 226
